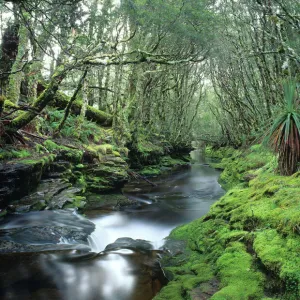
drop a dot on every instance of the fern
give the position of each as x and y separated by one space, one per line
89 130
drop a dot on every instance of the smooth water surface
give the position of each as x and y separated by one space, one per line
127 271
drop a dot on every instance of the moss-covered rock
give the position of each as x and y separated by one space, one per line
106 177
63 152
166 163
239 166
151 171
107 201
239 278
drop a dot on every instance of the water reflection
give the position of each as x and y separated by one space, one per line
105 277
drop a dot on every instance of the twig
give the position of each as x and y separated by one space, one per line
46 138
137 175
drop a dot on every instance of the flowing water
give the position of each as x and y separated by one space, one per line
55 262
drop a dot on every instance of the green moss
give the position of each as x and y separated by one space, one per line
81 181
172 291
44 160
70 154
116 153
9 104
79 166
168 161
99 151
51 146
61 100
239 279
146 147
40 205
252 230
14 153
165 163
281 256
239 166
104 149
40 148
219 153
150 171
78 202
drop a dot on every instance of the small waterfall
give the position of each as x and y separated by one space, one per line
116 225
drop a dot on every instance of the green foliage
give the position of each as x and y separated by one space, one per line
284 135
13 153
89 130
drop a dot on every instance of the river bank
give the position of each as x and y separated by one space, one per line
247 246
59 175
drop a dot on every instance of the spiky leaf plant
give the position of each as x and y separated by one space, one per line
284 135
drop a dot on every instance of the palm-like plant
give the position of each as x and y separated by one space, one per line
284 135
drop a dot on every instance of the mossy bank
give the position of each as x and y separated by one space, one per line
247 246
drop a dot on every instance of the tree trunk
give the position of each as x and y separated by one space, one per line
17 74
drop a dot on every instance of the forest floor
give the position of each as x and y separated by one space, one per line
247 246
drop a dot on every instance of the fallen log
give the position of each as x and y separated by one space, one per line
100 117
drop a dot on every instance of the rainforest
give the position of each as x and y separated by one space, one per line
149 149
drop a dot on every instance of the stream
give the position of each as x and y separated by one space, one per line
104 255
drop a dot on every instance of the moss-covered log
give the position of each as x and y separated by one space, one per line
61 101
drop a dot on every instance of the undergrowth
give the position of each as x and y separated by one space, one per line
89 131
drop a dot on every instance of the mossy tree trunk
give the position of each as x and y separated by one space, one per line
40 103
17 74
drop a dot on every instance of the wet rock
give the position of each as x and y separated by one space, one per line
174 247
18 178
39 231
67 196
59 166
112 201
47 189
129 243
206 290
45 192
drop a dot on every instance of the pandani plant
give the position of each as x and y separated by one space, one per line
284 136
